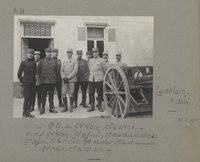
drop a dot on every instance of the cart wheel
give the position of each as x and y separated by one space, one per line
116 92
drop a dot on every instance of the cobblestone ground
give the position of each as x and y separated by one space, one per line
79 112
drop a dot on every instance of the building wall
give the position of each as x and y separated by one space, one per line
134 37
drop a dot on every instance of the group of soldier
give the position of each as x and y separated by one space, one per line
42 76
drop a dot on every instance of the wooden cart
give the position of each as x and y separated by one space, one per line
128 90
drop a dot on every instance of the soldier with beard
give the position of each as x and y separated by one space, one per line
68 72
81 79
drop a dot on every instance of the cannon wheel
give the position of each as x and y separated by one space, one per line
116 92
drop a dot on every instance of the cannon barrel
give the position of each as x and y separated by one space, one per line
145 78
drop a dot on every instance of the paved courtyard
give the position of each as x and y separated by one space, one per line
79 112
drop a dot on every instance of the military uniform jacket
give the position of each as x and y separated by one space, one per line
48 71
97 68
88 72
82 71
37 76
70 69
59 78
120 64
28 67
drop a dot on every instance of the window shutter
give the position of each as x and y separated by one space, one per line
81 41
81 33
111 35
111 45
24 48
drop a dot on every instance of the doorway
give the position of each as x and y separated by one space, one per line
96 43
38 44
95 39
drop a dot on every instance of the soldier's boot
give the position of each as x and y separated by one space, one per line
61 104
32 108
75 98
100 106
24 108
71 104
29 107
91 107
28 114
98 102
43 109
51 109
39 108
65 108
81 103
85 105
84 100
60 101
75 104
24 114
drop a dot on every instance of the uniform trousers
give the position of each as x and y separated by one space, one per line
50 89
39 95
59 90
68 87
84 86
28 92
99 87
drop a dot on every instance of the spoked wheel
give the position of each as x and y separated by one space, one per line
116 92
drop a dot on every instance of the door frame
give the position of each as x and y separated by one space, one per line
50 40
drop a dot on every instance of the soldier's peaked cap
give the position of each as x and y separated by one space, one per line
55 50
105 53
48 50
89 53
30 50
95 50
37 53
79 51
118 54
69 50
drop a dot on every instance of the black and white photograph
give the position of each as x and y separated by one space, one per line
129 68
83 67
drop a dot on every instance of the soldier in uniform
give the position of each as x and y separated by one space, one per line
48 72
59 80
119 63
89 56
108 63
37 87
68 72
28 67
82 79
97 70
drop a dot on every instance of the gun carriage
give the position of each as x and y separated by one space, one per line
128 90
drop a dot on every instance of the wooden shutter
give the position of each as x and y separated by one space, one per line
111 39
24 49
81 39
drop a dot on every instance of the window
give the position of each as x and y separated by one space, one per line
95 32
37 30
